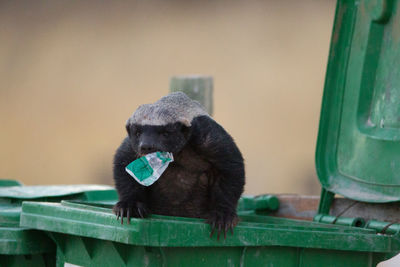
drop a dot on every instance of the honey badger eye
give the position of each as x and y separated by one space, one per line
165 134
138 133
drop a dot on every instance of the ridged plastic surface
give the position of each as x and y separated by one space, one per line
22 246
91 236
358 151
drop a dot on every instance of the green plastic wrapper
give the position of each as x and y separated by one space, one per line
148 169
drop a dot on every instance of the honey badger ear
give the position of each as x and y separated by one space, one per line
127 127
185 122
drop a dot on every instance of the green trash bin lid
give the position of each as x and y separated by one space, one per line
38 191
358 150
8 182
16 240
11 197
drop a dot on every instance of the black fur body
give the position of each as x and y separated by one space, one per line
205 180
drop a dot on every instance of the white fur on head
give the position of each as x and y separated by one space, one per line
175 107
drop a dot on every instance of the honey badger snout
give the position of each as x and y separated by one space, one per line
146 149
147 146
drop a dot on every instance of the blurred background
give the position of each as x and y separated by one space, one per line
72 72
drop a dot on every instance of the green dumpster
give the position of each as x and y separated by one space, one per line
21 246
358 157
88 235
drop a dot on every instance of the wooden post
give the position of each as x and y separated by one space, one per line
196 87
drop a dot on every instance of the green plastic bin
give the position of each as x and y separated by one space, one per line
358 157
258 204
21 246
87 235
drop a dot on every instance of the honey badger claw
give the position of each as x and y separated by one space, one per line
222 223
130 210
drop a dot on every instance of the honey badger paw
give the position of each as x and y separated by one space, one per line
130 210
222 222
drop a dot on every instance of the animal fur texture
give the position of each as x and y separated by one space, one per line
206 178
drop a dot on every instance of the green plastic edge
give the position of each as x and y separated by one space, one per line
49 191
164 231
22 241
16 240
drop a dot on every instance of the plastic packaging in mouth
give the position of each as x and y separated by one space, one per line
148 169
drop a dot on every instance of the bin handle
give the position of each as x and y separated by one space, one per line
383 231
343 211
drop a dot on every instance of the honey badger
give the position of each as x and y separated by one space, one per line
206 178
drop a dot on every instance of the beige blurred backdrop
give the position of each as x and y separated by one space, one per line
72 72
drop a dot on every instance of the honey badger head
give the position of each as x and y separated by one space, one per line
164 125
